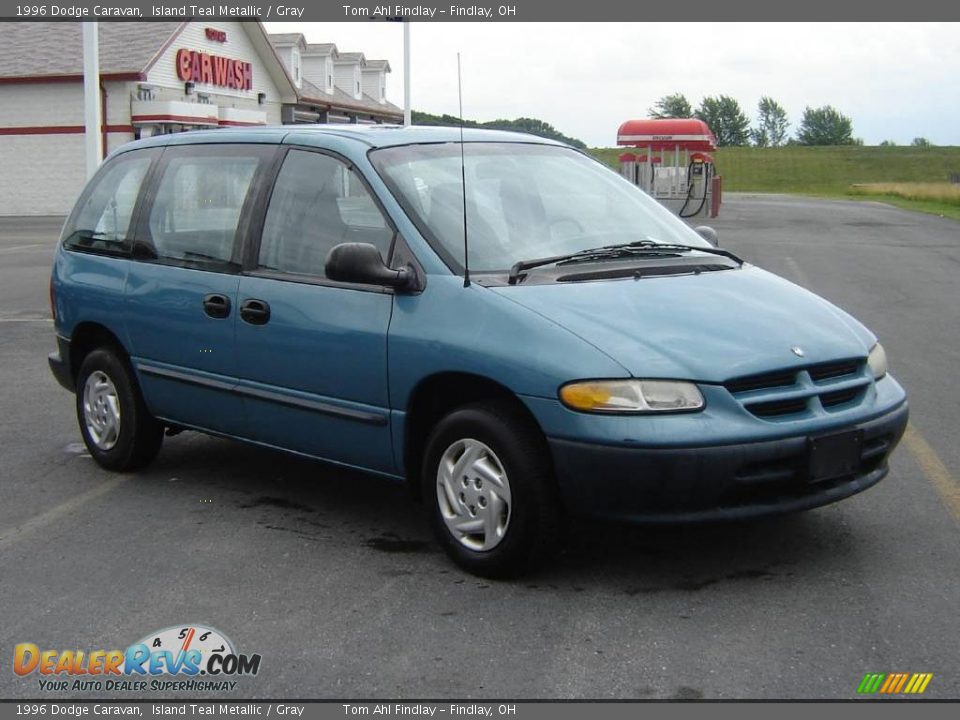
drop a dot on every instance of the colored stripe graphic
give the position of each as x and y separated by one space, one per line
870 683
894 683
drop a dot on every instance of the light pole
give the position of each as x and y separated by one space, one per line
91 97
406 72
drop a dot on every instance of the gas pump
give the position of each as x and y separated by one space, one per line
699 177
677 169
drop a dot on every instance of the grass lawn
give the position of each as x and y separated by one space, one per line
831 171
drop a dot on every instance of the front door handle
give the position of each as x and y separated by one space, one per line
255 312
216 306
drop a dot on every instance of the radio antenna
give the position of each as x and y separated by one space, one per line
463 183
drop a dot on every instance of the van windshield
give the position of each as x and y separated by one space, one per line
523 201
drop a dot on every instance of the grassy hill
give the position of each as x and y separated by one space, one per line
832 171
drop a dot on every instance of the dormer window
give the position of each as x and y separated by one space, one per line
295 66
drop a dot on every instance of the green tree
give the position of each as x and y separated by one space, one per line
671 106
772 124
921 142
825 126
726 119
526 125
888 143
534 127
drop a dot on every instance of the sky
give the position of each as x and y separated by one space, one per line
896 81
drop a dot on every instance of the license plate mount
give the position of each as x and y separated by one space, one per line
834 455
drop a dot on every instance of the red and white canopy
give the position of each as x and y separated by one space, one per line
688 134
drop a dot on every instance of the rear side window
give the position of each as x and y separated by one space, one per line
197 207
318 202
102 220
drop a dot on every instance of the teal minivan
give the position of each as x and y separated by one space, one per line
502 323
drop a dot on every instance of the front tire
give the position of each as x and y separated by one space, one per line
489 486
117 429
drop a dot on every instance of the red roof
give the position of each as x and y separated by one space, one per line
688 134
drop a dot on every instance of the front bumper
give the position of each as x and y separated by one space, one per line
60 364
723 482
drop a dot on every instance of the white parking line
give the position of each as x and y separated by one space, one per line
799 274
23 247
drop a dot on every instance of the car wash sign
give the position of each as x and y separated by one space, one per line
206 69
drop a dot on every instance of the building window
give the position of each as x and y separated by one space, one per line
295 62
358 88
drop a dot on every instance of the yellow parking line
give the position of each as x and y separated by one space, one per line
933 467
11 536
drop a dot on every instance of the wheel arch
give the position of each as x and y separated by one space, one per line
87 337
437 395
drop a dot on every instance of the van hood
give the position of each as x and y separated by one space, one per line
708 327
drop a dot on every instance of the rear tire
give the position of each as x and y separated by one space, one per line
490 491
117 429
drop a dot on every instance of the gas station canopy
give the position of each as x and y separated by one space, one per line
686 134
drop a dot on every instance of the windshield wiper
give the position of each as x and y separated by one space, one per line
646 248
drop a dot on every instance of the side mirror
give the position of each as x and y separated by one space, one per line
362 263
707 233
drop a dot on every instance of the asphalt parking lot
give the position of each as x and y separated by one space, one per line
334 579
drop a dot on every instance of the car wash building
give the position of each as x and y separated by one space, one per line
158 78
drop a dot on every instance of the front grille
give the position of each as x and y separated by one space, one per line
840 397
828 371
796 392
776 408
784 378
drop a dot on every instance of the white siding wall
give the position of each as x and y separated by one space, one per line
41 104
315 69
372 80
289 55
42 174
238 47
346 76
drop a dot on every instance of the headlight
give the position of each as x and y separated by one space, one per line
631 396
877 360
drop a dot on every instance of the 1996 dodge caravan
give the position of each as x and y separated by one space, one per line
306 289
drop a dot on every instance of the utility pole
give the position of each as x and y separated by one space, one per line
91 97
406 72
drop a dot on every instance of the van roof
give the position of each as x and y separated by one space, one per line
370 135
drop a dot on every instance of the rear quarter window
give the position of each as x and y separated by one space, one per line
103 218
